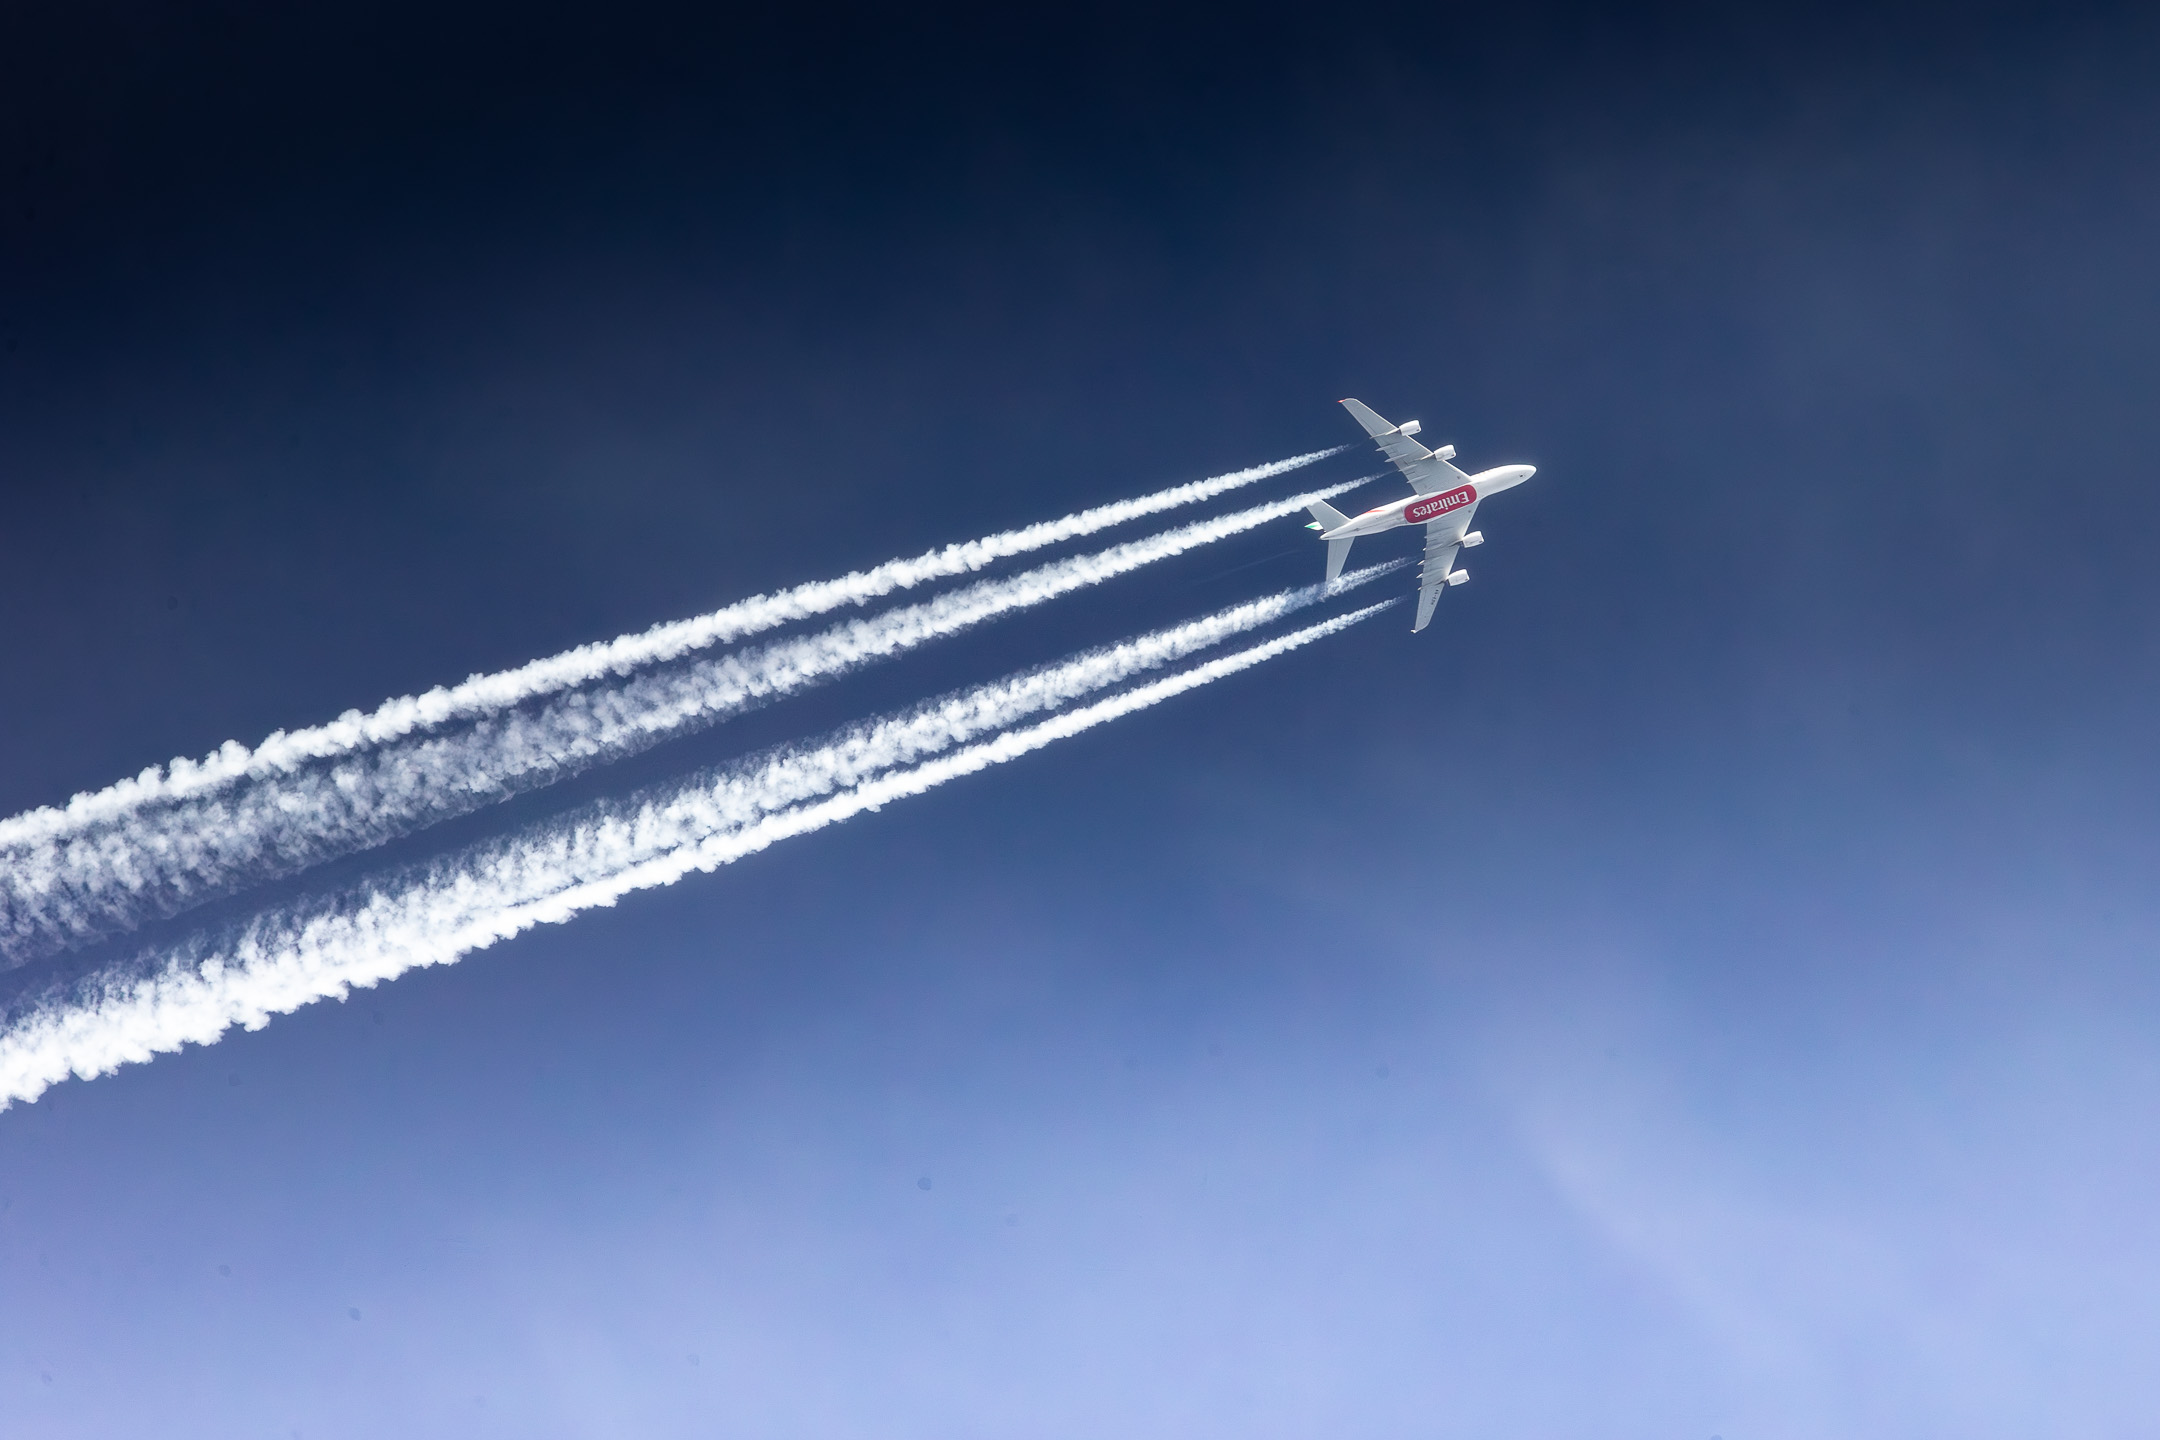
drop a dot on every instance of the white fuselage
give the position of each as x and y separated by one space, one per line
1422 509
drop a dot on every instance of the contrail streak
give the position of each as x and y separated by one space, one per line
484 694
438 915
169 858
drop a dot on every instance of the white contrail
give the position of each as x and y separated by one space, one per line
168 858
484 694
445 912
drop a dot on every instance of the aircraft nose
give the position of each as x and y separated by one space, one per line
1528 471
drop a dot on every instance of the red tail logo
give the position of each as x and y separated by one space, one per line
1439 505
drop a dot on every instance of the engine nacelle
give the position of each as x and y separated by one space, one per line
1445 452
1408 427
1472 540
1458 577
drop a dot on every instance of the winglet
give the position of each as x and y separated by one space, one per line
1427 597
1366 416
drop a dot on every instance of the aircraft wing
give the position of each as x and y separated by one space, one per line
1425 470
1443 542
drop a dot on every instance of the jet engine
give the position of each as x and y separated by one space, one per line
1408 427
1474 539
1457 577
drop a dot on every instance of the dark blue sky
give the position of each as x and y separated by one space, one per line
1705 985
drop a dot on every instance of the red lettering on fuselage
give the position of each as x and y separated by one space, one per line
1421 511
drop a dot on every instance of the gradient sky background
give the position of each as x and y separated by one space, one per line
1704 986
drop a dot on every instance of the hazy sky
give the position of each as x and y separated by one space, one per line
1705 985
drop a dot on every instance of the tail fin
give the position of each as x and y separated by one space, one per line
1327 518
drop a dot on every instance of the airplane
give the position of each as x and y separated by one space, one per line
1444 500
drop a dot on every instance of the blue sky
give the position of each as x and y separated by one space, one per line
1702 986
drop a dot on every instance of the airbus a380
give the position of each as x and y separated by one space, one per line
1444 500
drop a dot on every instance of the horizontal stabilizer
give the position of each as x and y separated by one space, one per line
1327 517
1337 552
